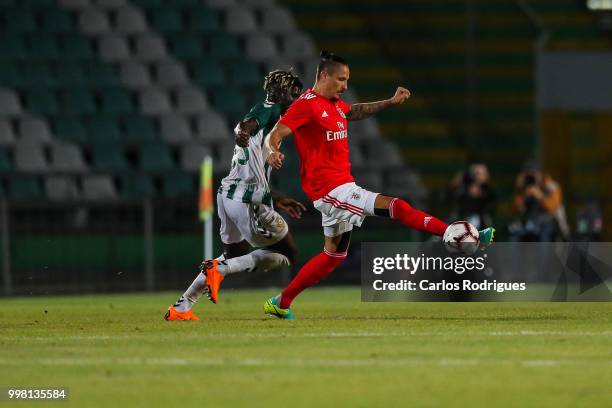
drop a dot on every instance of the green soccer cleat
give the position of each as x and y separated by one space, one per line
271 307
486 237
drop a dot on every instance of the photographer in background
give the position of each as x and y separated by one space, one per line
539 203
471 196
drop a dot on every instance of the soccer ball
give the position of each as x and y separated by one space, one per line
461 236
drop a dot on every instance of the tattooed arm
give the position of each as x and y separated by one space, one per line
364 110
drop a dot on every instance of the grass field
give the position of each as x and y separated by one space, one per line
118 351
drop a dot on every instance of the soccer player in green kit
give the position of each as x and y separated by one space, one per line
246 206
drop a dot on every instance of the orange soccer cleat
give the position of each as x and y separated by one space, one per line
213 279
174 315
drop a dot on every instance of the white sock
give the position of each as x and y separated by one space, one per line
260 260
194 292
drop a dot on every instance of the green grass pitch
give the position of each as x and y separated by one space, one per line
118 351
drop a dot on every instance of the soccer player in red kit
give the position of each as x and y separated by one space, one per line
318 121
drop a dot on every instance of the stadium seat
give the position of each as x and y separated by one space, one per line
156 158
33 129
61 188
364 129
205 21
23 187
129 20
139 130
149 48
93 21
116 101
42 101
381 154
260 47
262 4
229 101
208 73
20 21
7 134
137 186
109 158
405 183
223 157
10 73
277 20
56 21
100 74
177 185
154 101
170 74
13 47
245 74
356 156
166 20
190 100
113 48
175 128
368 179
110 4
70 128
221 4
99 188
298 46
30 157
38 75
71 75
104 130
76 47
9 103
74 4
224 46
210 126
185 47
5 162
135 75
192 156
78 102
240 21
67 157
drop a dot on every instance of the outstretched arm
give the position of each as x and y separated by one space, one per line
364 110
244 130
272 145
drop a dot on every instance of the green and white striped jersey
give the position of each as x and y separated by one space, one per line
249 177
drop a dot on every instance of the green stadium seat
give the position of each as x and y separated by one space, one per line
12 47
20 21
185 3
185 46
22 187
139 130
38 75
224 46
245 74
10 74
5 161
76 47
147 4
200 20
177 185
229 100
166 19
78 102
208 73
43 47
71 129
36 4
137 186
70 75
56 21
109 158
42 101
116 100
104 130
156 158
100 73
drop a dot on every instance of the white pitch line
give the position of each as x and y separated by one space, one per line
288 335
331 363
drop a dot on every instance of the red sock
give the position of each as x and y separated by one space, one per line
312 272
413 218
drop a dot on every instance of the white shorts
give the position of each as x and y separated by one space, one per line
343 207
258 224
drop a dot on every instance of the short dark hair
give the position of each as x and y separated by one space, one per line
330 62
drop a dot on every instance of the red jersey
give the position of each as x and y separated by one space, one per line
321 136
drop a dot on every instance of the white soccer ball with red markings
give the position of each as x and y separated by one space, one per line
461 236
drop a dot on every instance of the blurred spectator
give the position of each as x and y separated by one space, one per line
539 203
589 223
472 197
